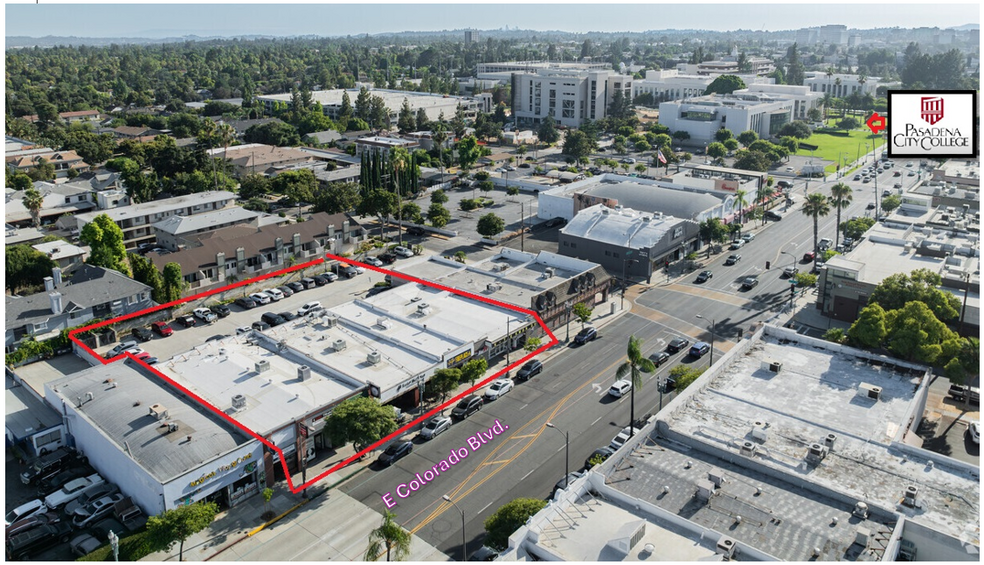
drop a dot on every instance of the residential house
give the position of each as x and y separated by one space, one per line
58 199
72 117
66 256
63 161
177 231
323 137
92 292
137 132
260 158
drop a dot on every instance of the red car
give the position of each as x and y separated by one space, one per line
162 329
809 256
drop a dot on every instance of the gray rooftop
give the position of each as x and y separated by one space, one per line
626 228
88 287
177 225
26 414
160 206
650 198
121 410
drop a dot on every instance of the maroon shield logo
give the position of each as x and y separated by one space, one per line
932 109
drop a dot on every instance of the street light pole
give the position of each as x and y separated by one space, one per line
567 308
464 540
567 454
625 261
713 324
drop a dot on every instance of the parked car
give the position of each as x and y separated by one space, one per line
143 334
737 244
296 286
88 496
622 437
274 294
309 282
287 316
485 553
416 230
402 251
95 510
554 222
161 329
72 490
50 464
309 307
388 258
346 270
732 259
22 546
468 406
272 319
499 388
588 333
25 510
677 344
704 276
809 256
435 426
246 303
748 237
243 330
824 243
749 283
789 272
122 347
395 452
774 216
186 321
974 429
220 310
699 349
602 453
566 480
31 522
659 358
85 544
373 261
261 298
620 388
205 315
146 358
529 370
286 290
260 326
54 482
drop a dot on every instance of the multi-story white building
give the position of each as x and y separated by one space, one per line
803 98
671 84
570 96
433 104
761 66
840 85
701 117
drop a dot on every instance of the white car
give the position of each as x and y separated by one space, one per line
435 426
620 387
205 315
498 388
373 261
72 490
123 346
402 251
737 244
260 297
274 294
622 437
975 432
310 306
25 510
748 237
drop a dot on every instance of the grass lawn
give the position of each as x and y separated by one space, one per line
831 147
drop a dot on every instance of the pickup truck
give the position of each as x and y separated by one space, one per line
960 393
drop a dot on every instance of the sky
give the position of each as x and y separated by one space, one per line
178 19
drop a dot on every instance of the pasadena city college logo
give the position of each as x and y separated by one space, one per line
932 123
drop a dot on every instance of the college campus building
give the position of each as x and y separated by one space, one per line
840 85
433 104
569 96
789 448
671 84
703 116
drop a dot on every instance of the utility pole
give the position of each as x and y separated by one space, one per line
522 227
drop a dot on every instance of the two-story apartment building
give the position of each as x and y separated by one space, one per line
63 161
137 221
57 200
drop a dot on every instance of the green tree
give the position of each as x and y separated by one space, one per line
146 272
848 124
444 381
468 152
712 229
547 132
490 225
380 203
379 117
391 537
723 135
177 525
730 144
915 333
890 203
869 330
296 186
621 107
337 197
747 137
173 282
363 105
854 229
797 129
816 206
578 145
752 160
42 170
582 312
438 197
835 335
345 112
25 267
438 215
406 120
633 368
920 285
840 198
684 376
725 84
362 421
33 201
410 212
508 518
717 149
474 370
741 200
278 134
105 241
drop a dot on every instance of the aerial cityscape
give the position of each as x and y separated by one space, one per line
414 282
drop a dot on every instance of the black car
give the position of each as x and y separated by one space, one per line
246 302
221 310
732 259
677 344
286 290
468 406
287 316
585 335
554 222
395 452
870 206
388 257
296 286
55 482
669 385
321 280
187 321
659 358
143 334
601 453
774 216
50 464
272 319
704 276
529 370
23 546
485 553
415 230
260 326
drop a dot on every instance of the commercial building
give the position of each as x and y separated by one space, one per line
569 96
546 283
789 448
889 248
30 425
626 241
137 220
433 104
840 85
702 117
92 292
760 66
162 448
803 98
382 145
671 84
963 173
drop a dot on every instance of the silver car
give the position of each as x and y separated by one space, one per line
435 426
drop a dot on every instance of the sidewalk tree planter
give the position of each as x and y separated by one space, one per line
267 513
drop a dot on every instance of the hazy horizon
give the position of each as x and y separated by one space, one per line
177 20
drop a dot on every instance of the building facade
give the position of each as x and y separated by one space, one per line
702 117
569 96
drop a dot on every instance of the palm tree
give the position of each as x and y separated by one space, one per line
390 535
837 83
764 193
816 205
826 99
635 366
33 201
740 201
840 198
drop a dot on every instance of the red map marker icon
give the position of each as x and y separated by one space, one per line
876 123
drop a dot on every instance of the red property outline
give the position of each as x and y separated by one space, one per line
553 341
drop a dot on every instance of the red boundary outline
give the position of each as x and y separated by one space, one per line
553 341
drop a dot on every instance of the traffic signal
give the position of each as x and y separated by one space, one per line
792 290
768 265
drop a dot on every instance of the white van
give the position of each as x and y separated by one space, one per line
310 306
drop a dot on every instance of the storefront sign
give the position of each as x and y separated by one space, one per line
459 358
232 465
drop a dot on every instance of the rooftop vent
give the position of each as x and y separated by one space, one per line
759 431
869 391
261 366
172 427
304 373
493 287
373 358
423 308
548 272
862 536
726 546
910 496
861 510
385 323
238 402
773 366
748 449
338 344
158 411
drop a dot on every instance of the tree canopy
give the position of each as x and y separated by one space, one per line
508 518
361 421
105 240
725 84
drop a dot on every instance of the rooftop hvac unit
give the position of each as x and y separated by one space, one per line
716 478
331 321
869 391
384 323
774 366
816 453
861 510
492 287
172 427
158 411
549 272
262 366
373 358
910 496
726 546
748 449
705 490
304 373
338 344
423 308
829 441
759 432
862 536
238 402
